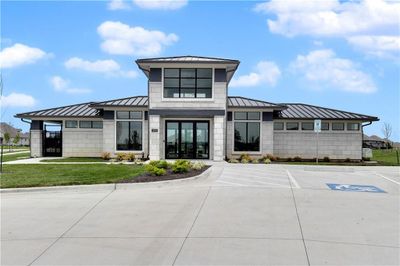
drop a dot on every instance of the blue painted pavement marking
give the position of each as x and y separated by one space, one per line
355 188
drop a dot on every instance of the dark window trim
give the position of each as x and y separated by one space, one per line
247 116
283 126
354 123
298 126
76 121
91 124
180 85
338 129
129 130
312 123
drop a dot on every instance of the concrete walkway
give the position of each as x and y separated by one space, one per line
254 217
15 152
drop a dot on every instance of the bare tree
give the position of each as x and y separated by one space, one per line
387 132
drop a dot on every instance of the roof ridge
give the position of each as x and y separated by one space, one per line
182 56
118 99
330 109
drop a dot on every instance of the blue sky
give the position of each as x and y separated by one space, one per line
343 55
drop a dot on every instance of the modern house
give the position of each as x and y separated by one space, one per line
188 114
13 132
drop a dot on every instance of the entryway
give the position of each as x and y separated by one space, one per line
187 140
52 142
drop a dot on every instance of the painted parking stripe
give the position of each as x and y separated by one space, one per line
254 181
230 183
236 175
292 179
387 178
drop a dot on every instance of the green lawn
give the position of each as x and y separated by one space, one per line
37 175
14 157
385 157
75 160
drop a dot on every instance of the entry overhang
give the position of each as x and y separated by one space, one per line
187 113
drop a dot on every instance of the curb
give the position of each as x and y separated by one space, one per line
110 187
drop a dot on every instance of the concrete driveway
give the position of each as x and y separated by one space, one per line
240 214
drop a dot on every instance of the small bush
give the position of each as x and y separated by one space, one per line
266 161
233 161
297 159
270 157
106 156
254 161
160 164
244 161
153 170
181 166
130 157
121 156
198 166
326 159
244 156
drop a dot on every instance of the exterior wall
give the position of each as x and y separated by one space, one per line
108 136
155 137
333 144
156 100
79 142
219 138
36 143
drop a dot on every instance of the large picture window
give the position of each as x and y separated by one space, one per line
187 83
129 131
247 134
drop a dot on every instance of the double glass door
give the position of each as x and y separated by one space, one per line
187 140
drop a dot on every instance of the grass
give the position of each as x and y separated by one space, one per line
37 175
75 160
14 157
385 157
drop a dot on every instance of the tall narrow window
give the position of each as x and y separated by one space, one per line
129 131
187 83
247 131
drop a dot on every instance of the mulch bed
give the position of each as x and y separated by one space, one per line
168 176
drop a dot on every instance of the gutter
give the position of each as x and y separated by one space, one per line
362 136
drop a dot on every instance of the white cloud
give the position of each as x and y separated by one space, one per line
121 39
265 72
61 85
362 23
19 54
17 100
118 5
108 67
325 70
161 4
380 46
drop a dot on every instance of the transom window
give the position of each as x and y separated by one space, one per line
129 131
307 126
187 83
292 126
324 126
278 126
337 126
71 124
247 132
353 126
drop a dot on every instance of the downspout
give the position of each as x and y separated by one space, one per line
30 137
362 137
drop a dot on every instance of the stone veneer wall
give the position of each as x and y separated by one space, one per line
36 143
155 139
335 145
82 142
218 138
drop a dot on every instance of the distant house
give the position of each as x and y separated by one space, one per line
6 128
373 142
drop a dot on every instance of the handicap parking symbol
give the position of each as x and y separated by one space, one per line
355 188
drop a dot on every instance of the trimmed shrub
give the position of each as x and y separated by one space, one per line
233 161
270 157
153 170
254 161
121 156
198 166
181 166
244 156
106 156
326 159
266 161
160 164
130 157
297 159
244 161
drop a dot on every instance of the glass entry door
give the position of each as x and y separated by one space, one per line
187 140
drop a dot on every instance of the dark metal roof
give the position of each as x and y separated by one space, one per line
242 102
187 59
307 111
76 110
137 101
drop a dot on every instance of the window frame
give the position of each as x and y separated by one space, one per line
128 120
326 123
312 126
76 121
91 124
344 126
247 121
298 126
352 123
280 122
180 88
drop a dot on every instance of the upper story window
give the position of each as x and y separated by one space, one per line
187 83
353 126
337 126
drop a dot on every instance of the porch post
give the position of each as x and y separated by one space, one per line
219 138
36 141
